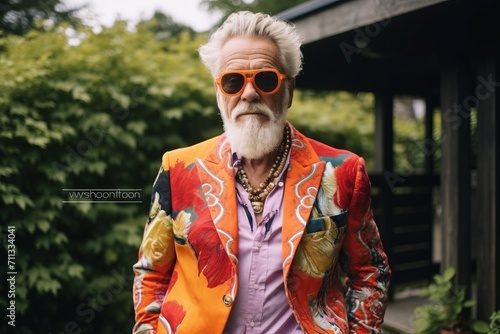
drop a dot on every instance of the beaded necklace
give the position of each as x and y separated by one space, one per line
257 196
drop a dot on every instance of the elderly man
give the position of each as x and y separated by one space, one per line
259 230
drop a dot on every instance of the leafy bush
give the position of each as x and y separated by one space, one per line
94 113
444 307
483 327
494 326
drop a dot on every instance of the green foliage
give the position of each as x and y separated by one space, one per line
492 328
20 16
225 7
164 27
446 304
97 112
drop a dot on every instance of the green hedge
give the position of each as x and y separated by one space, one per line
93 112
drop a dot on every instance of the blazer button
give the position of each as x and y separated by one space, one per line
227 299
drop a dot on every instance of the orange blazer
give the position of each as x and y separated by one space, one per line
335 271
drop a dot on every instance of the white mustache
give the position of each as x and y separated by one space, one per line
244 107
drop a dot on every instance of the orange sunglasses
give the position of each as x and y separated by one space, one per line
266 81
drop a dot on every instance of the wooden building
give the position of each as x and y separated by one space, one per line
445 52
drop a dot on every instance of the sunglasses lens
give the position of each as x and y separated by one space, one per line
267 81
232 82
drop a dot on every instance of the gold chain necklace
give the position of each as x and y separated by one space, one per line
257 196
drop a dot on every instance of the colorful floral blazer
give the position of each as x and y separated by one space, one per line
335 271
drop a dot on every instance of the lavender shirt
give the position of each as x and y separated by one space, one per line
261 305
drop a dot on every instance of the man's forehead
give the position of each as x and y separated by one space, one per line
245 49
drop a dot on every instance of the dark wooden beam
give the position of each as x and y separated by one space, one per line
350 15
429 144
488 215
486 220
384 165
384 132
455 172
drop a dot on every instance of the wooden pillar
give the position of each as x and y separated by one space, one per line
384 165
487 222
455 172
488 219
429 145
384 132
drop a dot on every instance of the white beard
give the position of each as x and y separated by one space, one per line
250 138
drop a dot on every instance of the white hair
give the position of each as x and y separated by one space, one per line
248 24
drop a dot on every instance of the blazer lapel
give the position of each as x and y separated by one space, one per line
218 186
301 188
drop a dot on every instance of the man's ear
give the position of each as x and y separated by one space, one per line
218 96
291 89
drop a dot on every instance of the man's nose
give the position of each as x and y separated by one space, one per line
249 92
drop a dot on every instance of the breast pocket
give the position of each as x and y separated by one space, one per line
318 250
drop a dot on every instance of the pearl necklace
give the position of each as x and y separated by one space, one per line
257 196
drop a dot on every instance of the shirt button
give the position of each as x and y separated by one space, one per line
256 286
252 323
227 299
280 184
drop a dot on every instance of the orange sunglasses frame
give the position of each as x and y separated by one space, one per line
249 76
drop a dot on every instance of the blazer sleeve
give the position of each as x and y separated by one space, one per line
156 258
363 258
